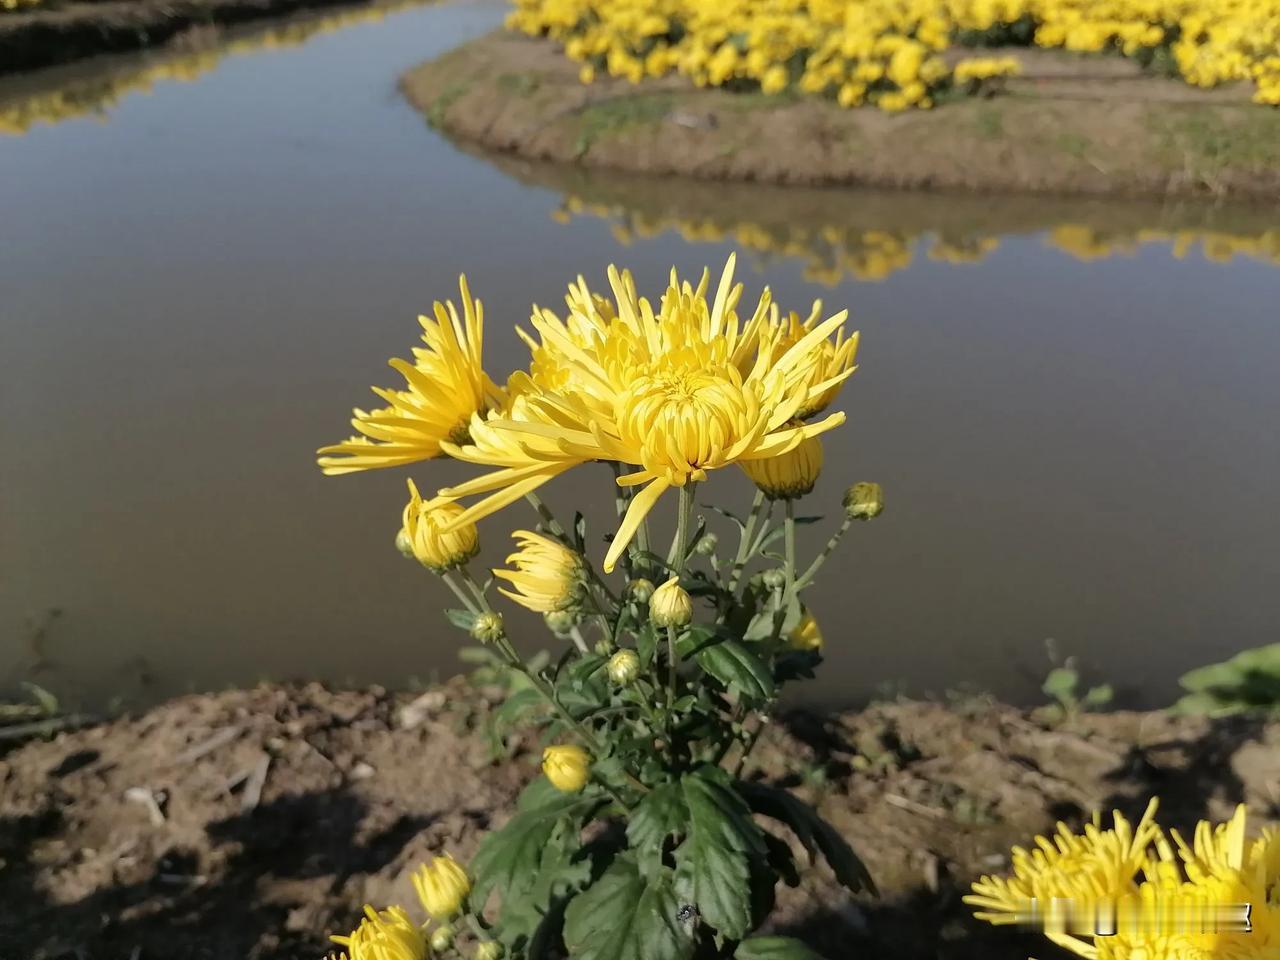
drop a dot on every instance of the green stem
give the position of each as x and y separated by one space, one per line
576 636
789 538
675 560
470 581
548 517
621 500
747 747
744 548
806 578
458 592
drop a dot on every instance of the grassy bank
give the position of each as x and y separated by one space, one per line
248 823
1069 125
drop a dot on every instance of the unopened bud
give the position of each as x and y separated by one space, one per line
604 646
707 545
489 950
404 544
670 605
640 590
863 501
774 579
488 628
624 667
441 939
560 622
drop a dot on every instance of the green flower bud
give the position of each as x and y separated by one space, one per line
488 628
640 590
441 939
404 544
707 545
774 579
604 646
670 605
863 501
560 621
624 667
489 950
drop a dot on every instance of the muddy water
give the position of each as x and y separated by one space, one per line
208 260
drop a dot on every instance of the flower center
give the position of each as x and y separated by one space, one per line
682 421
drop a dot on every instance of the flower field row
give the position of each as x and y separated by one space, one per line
901 54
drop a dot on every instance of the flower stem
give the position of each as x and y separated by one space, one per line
458 592
789 538
481 600
806 578
548 517
744 548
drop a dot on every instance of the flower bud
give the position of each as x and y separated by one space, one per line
489 950
442 887
640 590
789 475
560 622
806 635
670 605
424 528
567 767
488 628
624 667
707 545
863 501
441 939
404 544
774 579
604 646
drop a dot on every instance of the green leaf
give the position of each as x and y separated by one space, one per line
623 916
729 661
774 948
816 834
1098 696
462 619
514 709
722 838
507 860
660 814
1061 683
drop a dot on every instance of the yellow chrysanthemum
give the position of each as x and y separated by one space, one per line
807 635
789 475
1166 900
676 393
834 360
567 767
445 387
442 887
427 531
389 935
548 575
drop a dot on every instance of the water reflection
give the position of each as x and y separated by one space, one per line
93 89
839 235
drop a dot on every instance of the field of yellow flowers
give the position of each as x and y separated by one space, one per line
902 54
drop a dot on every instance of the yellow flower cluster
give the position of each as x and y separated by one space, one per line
1161 897
442 887
889 52
667 391
833 253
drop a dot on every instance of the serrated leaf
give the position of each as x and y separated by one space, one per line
623 916
722 839
660 814
729 661
507 860
815 833
774 948
463 619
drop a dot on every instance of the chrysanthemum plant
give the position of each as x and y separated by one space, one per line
641 839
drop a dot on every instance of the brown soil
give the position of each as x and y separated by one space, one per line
245 824
56 32
1070 125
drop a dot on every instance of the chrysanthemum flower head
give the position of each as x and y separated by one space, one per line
807 635
676 394
442 887
445 386
385 935
548 575
426 528
789 475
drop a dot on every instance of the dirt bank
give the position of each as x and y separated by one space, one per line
58 33
244 824
1070 125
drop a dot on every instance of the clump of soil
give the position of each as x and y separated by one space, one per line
1068 125
246 824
